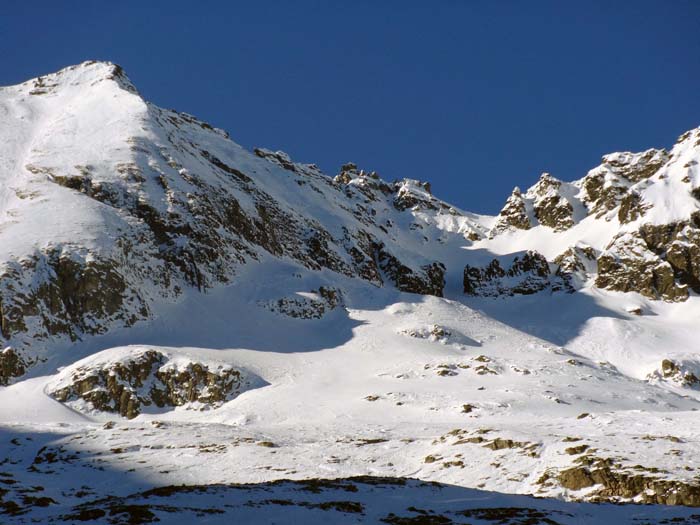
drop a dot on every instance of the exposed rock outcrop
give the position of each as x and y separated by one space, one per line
658 261
636 167
577 261
683 372
629 266
524 274
632 207
547 203
124 382
678 243
551 208
609 481
67 294
646 253
415 194
310 305
513 215
11 365
427 280
605 187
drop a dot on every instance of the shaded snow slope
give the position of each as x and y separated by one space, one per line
396 385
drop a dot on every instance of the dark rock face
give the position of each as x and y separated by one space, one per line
576 265
600 197
607 186
59 294
550 207
406 194
650 278
368 183
526 274
415 195
544 203
631 208
618 484
576 259
124 386
428 280
11 365
513 215
636 167
552 212
660 262
679 245
695 192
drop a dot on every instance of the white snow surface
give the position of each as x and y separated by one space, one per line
365 389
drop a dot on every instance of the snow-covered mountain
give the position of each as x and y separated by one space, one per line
176 309
112 206
632 223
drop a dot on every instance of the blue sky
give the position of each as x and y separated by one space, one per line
475 96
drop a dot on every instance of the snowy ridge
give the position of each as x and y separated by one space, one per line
638 212
155 202
187 322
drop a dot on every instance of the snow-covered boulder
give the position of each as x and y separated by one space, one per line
307 305
683 372
127 379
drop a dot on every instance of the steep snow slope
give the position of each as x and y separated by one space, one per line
178 310
114 206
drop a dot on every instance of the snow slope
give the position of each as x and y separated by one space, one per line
185 246
114 206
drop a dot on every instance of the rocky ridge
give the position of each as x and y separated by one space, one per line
523 274
641 210
171 204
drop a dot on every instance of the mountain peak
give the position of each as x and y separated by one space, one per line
88 73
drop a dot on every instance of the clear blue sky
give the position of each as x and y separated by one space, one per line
475 96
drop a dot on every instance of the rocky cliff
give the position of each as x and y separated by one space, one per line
638 213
